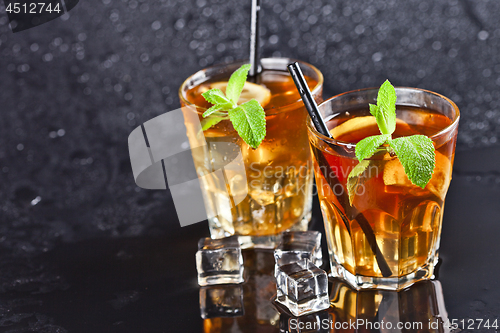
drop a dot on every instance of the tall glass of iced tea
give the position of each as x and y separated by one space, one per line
387 236
278 179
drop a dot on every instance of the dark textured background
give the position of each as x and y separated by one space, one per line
73 89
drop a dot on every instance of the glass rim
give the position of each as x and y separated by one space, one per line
282 108
434 137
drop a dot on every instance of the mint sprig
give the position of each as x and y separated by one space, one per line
236 83
355 178
369 145
385 110
416 153
249 118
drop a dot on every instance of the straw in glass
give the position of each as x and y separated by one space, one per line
254 40
329 175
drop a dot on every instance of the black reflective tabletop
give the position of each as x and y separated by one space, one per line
148 283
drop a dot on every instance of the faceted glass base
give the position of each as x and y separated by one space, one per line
261 242
360 282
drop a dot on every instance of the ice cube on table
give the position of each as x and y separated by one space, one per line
297 245
302 287
221 301
219 261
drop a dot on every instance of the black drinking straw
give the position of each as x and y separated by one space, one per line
330 175
254 39
308 99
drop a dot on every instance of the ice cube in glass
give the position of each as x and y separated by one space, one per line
302 287
219 261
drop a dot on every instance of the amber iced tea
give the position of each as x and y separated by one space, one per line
278 172
388 237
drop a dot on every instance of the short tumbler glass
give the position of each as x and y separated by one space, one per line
277 187
387 234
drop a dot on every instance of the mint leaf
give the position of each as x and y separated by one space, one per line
210 121
249 120
368 146
217 107
216 96
416 154
236 83
354 179
385 113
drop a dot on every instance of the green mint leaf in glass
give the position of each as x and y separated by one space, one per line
373 109
354 179
368 146
216 96
236 83
210 121
249 120
385 110
416 154
217 107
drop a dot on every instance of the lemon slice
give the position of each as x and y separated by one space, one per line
440 180
250 91
394 174
354 124
360 124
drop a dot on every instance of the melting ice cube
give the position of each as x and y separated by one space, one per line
219 261
302 287
297 245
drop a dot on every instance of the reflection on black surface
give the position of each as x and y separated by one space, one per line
419 308
319 322
221 301
259 314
